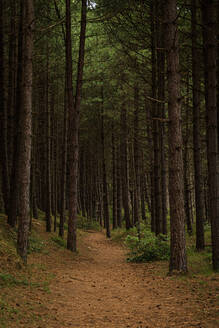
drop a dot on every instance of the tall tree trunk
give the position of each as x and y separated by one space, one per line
48 151
3 120
186 162
136 161
64 165
178 259
25 133
199 192
161 113
118 183
125 168
210 53
114 179
156 123
14 186
151 114
74 119
105 187
12 69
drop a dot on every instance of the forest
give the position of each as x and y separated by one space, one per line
109 138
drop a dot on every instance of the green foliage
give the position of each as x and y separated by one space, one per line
59 241
7 280
84 223
36 245
149 248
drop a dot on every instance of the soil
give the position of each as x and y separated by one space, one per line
98 288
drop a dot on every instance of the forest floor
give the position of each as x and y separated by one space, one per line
98 288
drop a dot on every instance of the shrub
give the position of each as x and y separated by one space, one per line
84 223
149 248
59 241
35 244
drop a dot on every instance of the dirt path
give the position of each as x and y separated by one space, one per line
99 289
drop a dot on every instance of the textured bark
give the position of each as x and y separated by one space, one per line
199 192
186 162
12 71
125 168
151 131
82 182
48 152
3 121
104 179
137 201
210 53
25 133
118 183
161 114
156 81
178 259
64 167
74 119
114 180
14 187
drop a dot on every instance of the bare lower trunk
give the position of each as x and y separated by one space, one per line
25 133
210 53
199 193
74 120
178 259
3 120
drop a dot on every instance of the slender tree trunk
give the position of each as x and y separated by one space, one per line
114 179
151 131
64 166
136 160
161 113
156 123
12 69
14 186
48 152
74 119
25 133
186 162
118 183
210 53
105 187
199 192
3 120
125 168
178 259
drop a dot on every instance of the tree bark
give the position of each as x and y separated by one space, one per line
210 53
125 168
25 132
74 109
178 259
114 179
64 165
196 78
3 120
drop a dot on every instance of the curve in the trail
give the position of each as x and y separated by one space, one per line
101 290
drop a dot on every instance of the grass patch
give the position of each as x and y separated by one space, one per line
59 241
147 249
8 280
36 245
84 223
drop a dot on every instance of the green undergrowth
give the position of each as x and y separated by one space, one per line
148 248
151 248
84 223
59 241
36 244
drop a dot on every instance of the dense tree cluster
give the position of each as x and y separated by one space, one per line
109 109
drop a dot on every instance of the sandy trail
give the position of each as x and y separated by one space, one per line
99 289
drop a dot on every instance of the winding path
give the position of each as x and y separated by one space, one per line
99 289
